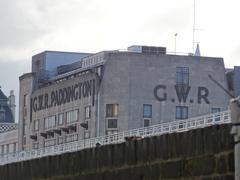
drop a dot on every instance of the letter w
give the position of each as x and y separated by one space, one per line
182 92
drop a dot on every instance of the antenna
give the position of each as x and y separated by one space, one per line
175 48
194 23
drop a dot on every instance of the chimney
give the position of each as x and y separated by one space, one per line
11 100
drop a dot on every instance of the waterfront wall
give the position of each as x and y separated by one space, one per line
201 154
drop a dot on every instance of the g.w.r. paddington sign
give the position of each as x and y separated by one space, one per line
64 95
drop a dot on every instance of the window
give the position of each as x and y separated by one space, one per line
181 112
49 122
2 149
215 110
72 116
7 148
11 148
2 115
60 119
87 112
24 128
86 134
112 110
24 140
35 145
45 123
14 147
25 100
52 121
146 122
112 123
25 112
217 117
36 125
99 70
147 111
182 76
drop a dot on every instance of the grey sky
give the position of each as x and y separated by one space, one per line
30 26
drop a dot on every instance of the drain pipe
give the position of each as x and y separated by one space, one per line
235 118
98 113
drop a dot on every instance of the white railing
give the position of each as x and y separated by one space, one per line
159 129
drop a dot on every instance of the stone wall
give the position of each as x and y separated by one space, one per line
202 154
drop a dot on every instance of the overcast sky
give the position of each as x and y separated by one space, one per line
28 27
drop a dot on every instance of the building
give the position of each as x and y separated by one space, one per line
9 141
8 129
113 91
7 107
233 78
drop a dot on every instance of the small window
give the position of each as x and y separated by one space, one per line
181 112
215 110
45 123
146 122
14 147
2 115
112 110
35 145
52 121
182 76
147 111
112 123
72 116
99 70
60 119
49 122
86 134
36 125
87 112
24 140
24 129
25 112
25 100
7 148
2 149
217 117
109 132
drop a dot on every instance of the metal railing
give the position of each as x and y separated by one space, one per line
4 127
159 129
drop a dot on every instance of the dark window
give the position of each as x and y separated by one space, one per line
87 112
146 122
24 140
25 100
215 110
182 76
147 111
60 119
181 112
112 110
2 116
216 116
112 123
99 70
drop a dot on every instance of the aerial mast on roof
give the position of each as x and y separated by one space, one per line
194 23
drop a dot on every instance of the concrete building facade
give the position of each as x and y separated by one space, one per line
113 91
9 141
